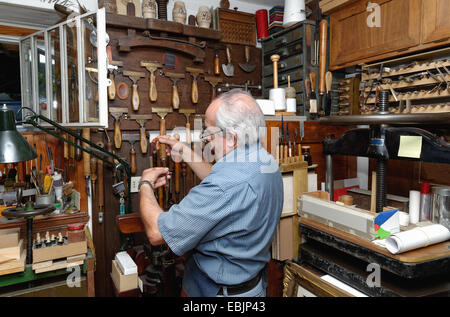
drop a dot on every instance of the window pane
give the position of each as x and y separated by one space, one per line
91 77
55 73
72 72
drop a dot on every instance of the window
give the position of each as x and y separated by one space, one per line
64 71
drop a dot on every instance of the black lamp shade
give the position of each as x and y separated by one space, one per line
14 147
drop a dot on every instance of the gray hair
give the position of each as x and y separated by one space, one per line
239 112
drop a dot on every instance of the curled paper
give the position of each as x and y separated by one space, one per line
418 237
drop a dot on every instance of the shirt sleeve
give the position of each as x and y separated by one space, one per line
186 223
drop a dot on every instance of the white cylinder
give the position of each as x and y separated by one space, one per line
294 12
414 206
291 105
403 218
278 96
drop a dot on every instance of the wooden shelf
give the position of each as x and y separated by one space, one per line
418 68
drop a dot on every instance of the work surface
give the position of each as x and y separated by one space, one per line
432 260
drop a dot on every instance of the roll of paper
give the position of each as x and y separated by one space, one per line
418 237
414 206
278 96
294 11
291 105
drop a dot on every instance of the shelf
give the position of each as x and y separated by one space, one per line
394 119
410 70
421 95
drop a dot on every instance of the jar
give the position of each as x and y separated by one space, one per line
75 232
179 12
204 17
307 155
149 9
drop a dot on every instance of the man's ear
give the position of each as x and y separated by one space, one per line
231 139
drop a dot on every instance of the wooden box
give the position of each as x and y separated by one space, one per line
122 282
237 27
59 251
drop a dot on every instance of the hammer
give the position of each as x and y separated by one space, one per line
194 91
213 81
152 66
131 138
175 77
187 113
134 76
141 119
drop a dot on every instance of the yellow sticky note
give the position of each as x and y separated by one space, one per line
410 146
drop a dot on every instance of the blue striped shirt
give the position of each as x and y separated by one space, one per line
228 221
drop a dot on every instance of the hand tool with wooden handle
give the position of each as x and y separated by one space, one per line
213 81
94 174
177 176
117 113
141 119
323 55
187 113
275 58
112 87
134 76
228 69
194 73
328 83
86 134
313 100
216 63
101 190
175 77
152 66
247 67
131 138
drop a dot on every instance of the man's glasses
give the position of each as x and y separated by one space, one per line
206 134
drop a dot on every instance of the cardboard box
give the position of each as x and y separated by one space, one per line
123 282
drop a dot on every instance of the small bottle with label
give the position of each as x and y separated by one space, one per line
307 155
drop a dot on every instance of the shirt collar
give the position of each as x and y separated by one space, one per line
247 153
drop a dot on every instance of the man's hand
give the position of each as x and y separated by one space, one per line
174 148
156 176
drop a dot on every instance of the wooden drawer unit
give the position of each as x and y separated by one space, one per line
405 27
294 45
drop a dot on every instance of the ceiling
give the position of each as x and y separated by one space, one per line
27 16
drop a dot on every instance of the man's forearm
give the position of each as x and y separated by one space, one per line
150 210
196 162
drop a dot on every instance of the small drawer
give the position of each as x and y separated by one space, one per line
285 64
284 52
283 39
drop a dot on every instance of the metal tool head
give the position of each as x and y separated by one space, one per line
187 112
161 112
213 80
228 69
194 71
141 118
172 75
151 65
134 76
117 112
131 137
247 67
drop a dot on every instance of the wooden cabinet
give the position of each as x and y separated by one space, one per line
405 26
436 24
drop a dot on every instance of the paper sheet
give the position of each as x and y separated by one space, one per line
416 238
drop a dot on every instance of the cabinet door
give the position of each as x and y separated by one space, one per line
436 22
353 39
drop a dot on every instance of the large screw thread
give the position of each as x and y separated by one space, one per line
383 101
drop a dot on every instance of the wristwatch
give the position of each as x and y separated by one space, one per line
145 182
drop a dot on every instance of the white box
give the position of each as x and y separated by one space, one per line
126 263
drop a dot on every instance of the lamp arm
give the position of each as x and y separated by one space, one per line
94 149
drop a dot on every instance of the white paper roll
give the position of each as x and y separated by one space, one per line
414 206
267 106
418 237
403 218
294 11
291 105
278 96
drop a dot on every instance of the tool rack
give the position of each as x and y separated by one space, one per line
295 46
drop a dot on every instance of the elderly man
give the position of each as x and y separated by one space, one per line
227 222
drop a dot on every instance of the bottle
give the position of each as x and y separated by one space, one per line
425 202
307 154
57 185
